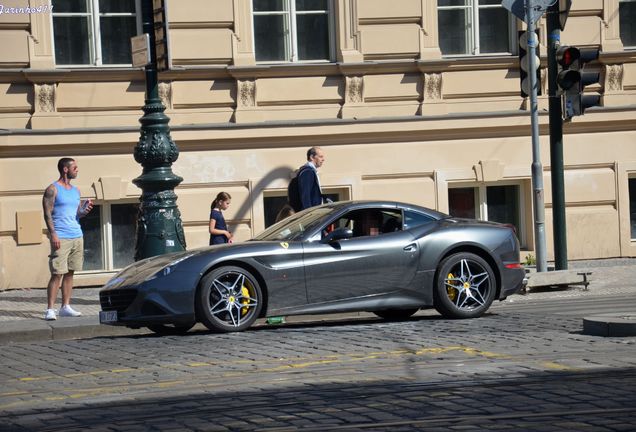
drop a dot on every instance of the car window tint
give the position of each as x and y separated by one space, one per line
368 222
293 227
413 219
391 221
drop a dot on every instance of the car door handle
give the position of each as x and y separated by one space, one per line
410 248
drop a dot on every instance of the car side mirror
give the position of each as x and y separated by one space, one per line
338 234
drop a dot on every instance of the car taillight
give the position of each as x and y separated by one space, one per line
513 266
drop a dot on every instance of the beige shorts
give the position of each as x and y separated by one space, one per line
69 257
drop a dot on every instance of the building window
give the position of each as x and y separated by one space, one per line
109 233
272 206
500 203
293 30
632 206
94 32
473 27
627 13
274 201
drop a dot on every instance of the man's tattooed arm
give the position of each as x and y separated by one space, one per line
48 201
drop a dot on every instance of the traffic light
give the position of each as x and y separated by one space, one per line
588 78
524 64
572 79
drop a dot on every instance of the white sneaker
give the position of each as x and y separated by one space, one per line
49 315
68 311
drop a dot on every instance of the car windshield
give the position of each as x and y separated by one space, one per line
293 227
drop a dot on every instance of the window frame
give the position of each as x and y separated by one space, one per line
95 37
291 39
472 34
626 47
631 177
481 203
106 234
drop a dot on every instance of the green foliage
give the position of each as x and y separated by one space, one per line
530 260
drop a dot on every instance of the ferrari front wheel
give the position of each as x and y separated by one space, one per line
465 286
229 299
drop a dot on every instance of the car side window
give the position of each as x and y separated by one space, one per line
413 219
369 222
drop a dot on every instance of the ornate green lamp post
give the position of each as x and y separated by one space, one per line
159 226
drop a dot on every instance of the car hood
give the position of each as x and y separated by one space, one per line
141 270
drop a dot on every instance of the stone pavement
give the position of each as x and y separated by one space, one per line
22 310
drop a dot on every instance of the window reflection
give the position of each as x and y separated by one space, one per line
109 236
627 14
93 33
290 31
124 225
473 27
93 245
632 206
496 203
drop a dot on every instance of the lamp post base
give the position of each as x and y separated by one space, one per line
159 226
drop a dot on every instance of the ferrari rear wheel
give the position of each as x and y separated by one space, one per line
170 329
229 299
465 286
395 314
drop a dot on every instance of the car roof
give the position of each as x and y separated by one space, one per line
362 204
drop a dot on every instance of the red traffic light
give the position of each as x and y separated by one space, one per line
566 56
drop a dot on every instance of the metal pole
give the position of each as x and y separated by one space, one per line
537 168
556 143
159 226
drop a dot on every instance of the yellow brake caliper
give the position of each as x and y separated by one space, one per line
451 290
245 301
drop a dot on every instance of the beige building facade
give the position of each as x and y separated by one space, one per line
411 100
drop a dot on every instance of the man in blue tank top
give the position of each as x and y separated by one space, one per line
62 210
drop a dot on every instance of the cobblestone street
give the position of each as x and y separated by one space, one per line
515 369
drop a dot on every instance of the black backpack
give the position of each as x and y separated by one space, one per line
293 192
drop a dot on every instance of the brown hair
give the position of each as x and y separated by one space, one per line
221 196
312 152
65 162
284 212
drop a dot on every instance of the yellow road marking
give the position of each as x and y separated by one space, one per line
284 365
558 366
302 362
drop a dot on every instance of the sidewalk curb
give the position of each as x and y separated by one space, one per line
610 325
62 329
87 327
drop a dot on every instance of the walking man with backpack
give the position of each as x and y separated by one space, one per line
304 189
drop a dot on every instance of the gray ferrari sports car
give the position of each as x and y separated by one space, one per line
388 258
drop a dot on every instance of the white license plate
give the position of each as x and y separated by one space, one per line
107 317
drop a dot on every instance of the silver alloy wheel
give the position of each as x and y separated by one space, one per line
465 286
468 285
229 299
